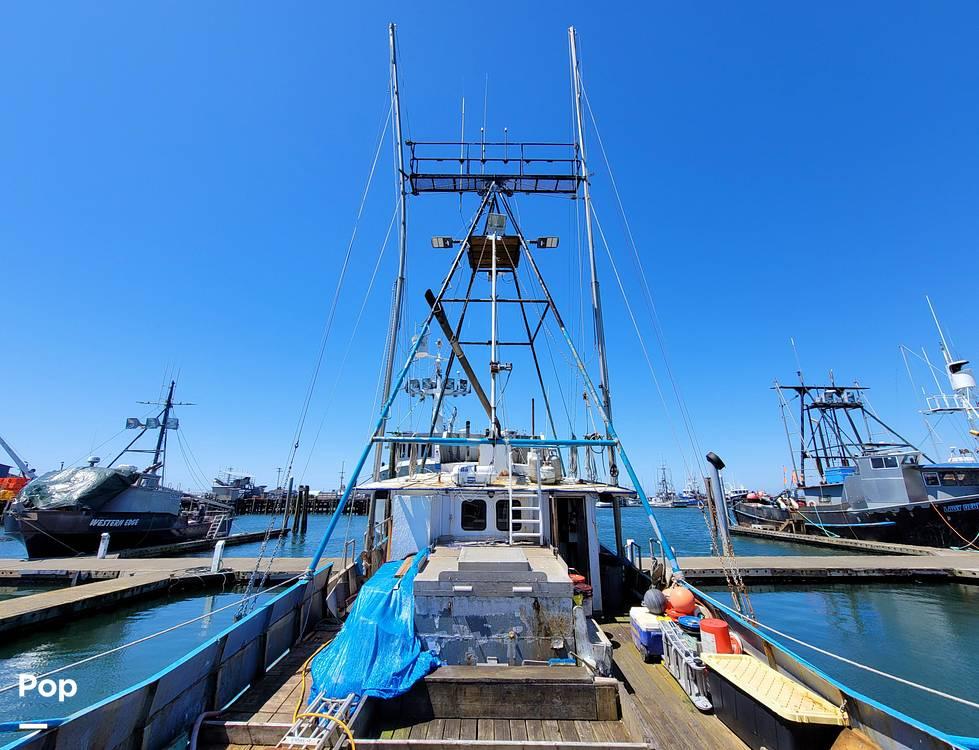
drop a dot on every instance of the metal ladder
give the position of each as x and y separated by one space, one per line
216 524
314 729
530 502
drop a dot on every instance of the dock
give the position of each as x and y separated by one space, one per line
199 545
945 566
94 585
836 542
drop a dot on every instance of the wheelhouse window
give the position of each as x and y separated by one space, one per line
885 462
877 463
931 478
474 515
966 478
503 515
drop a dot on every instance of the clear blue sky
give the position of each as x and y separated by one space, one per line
180 181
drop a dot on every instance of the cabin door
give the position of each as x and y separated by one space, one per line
569 532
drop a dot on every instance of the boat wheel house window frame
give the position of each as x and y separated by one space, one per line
472 515
883 462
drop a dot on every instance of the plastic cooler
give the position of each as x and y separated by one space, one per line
768 710
646 633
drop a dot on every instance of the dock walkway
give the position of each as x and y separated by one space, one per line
941 566
98 584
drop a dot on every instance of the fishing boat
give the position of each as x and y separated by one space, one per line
856 476
66 512
692 491
484 611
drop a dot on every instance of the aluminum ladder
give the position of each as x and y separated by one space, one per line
318 725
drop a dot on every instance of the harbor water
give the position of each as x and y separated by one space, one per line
921 632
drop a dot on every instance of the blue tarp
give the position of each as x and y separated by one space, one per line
377 652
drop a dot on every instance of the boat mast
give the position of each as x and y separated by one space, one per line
399 284
161 440
596 296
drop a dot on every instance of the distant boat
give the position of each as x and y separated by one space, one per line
65 512
879 490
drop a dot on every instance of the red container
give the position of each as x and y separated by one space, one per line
715 637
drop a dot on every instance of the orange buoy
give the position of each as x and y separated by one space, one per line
681 600
715 637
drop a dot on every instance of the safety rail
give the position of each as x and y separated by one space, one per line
470 166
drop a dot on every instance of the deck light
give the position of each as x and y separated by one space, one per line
547 243
495 223
442 243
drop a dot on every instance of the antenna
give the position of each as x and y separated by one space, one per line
941 333
795 353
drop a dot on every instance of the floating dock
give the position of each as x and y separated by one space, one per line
941 567
836 542
95 585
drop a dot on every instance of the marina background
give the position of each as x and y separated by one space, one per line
884 625
803 172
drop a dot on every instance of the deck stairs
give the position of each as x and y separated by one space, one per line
216 523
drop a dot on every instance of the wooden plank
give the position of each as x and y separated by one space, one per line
467 729
485 729
501 729
435 727
402 733
568 731
419 731
451 730
535 730
518 729
585 731
551 730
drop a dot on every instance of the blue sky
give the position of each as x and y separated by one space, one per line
181 181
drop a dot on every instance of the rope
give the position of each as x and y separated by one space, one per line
824 652
954 530
145 638
302 688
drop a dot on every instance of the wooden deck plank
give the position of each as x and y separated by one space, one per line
485 729
419 731
585 731
467 729
568 731
435 728
518 729
535 730
452 729
501 729
662 703
551 730
402 733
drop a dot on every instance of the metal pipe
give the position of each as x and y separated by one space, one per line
394 326
493 362
719 503
596 295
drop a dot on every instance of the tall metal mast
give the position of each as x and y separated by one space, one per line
21 464
399 284
596 295
161 447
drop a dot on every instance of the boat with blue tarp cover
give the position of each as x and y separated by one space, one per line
483 609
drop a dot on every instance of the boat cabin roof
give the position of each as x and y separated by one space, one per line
442 483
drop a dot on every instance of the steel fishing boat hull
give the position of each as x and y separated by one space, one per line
62 533
939 523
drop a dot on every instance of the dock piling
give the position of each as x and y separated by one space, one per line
216 558
103 546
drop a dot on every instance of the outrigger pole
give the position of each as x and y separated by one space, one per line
399 285
596 295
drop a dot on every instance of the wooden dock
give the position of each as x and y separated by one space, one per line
97 585
943 566
836 542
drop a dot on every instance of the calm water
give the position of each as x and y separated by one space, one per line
924 633
49 649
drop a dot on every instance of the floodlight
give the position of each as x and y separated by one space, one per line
548 243
495 223
442 243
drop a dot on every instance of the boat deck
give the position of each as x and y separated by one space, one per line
656 713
